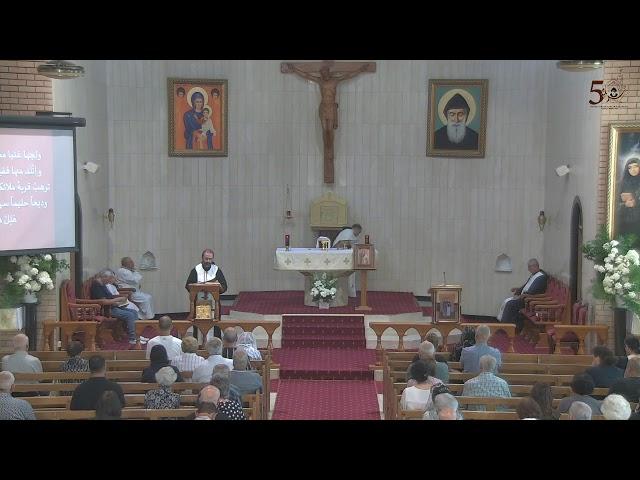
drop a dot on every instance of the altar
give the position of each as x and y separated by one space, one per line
308 261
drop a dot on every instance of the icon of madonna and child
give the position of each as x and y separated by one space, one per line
200 112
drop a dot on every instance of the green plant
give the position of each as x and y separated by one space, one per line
27 274
617 267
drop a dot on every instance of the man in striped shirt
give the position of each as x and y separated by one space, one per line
188 360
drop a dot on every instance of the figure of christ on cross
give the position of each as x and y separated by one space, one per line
327 75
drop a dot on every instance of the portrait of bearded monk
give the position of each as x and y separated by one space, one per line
455 135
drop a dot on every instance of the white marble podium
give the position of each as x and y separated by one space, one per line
308 261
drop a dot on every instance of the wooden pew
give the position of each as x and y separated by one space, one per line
251 403
127 413
565 416
401 329
470 415
581 331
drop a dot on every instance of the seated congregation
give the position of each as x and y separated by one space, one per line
473 383
226 381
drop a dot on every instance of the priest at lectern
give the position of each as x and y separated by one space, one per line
207 271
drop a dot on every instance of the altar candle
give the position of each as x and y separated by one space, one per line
366 239
286 240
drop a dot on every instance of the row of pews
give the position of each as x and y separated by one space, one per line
521 371
125 367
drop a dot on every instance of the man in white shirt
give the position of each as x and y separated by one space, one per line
21 361
128 277
346 238
203 373
172 344
188 360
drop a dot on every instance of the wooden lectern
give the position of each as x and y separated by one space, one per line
446 303
211 287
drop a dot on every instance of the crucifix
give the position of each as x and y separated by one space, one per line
327 75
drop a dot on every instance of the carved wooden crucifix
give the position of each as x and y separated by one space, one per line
327 75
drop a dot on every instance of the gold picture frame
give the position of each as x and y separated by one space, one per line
198 117
364 256
457 101
623 198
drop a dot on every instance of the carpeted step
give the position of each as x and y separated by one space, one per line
336 320
328 330
300 341
334 400
327 363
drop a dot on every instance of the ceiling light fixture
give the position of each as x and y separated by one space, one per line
579 65
60 69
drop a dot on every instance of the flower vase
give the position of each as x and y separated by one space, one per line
323 304
30 298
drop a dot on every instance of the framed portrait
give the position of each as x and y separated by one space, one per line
364 256
457 118
197 117
624 180
446 303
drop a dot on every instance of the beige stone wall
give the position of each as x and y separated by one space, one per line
629 111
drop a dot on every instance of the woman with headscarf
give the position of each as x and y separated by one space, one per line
158 357
629 205
247 341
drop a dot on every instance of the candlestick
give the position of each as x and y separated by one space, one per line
286 241
366 239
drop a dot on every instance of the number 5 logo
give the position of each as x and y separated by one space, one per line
599 91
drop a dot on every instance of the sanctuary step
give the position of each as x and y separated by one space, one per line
321 331
325 363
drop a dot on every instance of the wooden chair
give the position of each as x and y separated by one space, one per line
73 309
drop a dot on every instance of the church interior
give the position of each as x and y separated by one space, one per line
319 240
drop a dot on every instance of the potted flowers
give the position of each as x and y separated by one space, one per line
21 278
323 289
618 271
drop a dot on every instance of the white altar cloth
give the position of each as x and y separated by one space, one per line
307 261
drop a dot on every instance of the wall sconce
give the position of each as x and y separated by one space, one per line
562 170
111 216
542 220
91 167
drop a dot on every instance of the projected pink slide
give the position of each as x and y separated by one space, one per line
27 191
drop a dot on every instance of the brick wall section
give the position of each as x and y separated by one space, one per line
5 340
22 90
629 70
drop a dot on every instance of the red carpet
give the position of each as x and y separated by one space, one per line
324 370
322 400
292 302
325 363
331 332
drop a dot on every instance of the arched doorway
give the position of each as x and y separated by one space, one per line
576 251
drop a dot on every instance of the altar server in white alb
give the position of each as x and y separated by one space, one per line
536 284
348 237
128 277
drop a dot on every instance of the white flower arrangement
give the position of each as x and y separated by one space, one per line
24 274
618 267
323 288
